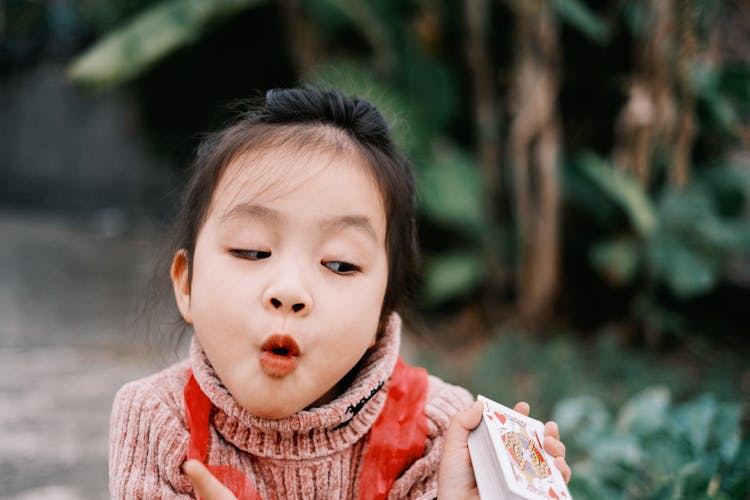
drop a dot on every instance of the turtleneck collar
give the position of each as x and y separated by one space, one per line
309 433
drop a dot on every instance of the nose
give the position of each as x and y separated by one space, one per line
278 304
288 296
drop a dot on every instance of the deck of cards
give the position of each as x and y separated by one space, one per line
509 459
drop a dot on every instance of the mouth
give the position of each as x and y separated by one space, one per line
279 357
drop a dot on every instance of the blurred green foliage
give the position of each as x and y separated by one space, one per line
678 240
651 449
159 30
512 368
652 258
646 254
627 436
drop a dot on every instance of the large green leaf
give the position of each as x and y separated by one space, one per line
129 51
693 243
431 87
584 417
584 196
645 413
451 274
577 14
686 272
451 190
624 190
655 450
727 431
690 214
694 421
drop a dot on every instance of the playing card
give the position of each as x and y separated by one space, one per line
509 444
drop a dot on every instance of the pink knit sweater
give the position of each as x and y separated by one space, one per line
314 453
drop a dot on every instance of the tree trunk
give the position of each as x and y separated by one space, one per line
534 150
680 171
303 39
488 142
647 121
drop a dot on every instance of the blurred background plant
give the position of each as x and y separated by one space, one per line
550 138
652 449
583 175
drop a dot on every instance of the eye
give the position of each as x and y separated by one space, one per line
339 267
250 254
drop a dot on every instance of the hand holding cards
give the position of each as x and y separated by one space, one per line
509 459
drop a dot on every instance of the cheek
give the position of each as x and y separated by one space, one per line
383 286
373 305
214 283
358 308
377 288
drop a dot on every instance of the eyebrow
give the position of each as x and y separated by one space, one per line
359 222
250 210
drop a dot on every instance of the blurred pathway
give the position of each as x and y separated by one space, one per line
69 293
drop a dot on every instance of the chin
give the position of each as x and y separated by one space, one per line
274 413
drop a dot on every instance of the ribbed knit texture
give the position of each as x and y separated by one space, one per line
314 453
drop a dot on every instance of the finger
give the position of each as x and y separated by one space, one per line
522 407
564 468
551 429
554 447
454 474
461 423
205 484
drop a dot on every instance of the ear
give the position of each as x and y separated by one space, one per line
180 275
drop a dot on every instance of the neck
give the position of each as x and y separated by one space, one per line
341 386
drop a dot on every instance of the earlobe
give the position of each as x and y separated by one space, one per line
180 274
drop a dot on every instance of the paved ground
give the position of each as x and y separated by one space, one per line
70 335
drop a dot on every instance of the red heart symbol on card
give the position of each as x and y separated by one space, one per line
500 417
552 494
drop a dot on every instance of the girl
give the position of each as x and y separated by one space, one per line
295 245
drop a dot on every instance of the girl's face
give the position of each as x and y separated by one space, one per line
289 274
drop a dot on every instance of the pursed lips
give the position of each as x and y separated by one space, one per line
279 356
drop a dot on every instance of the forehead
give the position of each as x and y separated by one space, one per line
326 172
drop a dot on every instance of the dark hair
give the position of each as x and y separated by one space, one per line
307 116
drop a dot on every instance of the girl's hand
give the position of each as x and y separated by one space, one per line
455 475
206 486
556 448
